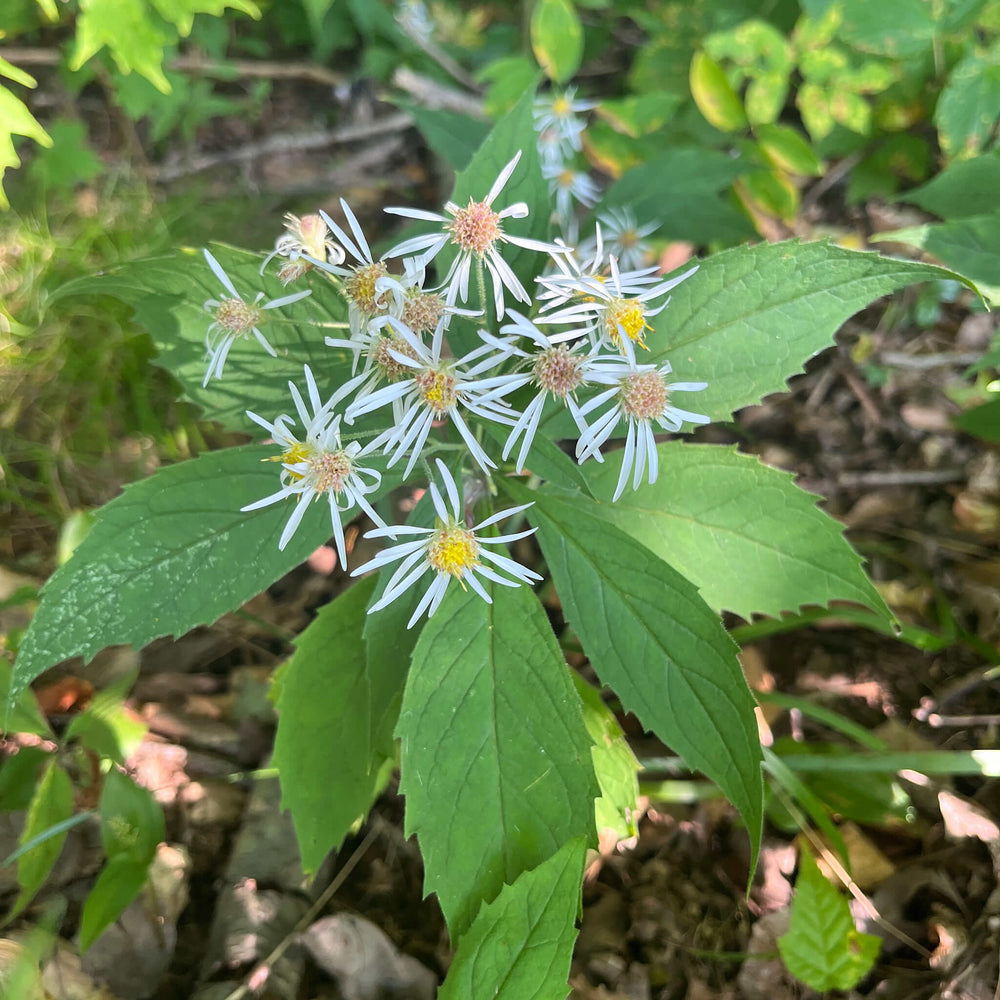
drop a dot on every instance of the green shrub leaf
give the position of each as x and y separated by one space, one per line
495 758
655 642
131 819
714 95
761 545
557 38
520 945
328 750
823 948
118 884
751 317
961 190
173 551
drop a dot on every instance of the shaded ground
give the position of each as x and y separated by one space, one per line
869 428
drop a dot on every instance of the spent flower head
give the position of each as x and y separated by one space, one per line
305 236
235 318
450 550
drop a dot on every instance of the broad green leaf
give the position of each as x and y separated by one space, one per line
787 149
751 317
742 532
21 713
614 764
520 945
106 726
969 106
983 421
683 191
495 758
971 245
119 883
15 119
896 28
168 295
640 114
19 777
655 642
508 77
823 948
769 191
514 132
715 98
329 765
172 552
454 137
131 819
556 38
52 803
961 190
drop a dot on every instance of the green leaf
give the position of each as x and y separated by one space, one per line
614 764
655 642
715 98
751 317
118 884
172 552
640 114
520 945
21 714
967 110
823 948
495 759
106 726
328 755
508 77
19 777
900 29
52 803
557 38
70 161
453 136
786 148
515 131
961 190
682 190
168 295
16 119
971 245
982 421
761 545
131 819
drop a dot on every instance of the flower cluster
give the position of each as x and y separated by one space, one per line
571 345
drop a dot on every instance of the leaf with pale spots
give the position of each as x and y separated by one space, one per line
492 727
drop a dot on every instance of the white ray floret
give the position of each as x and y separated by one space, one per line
639 395
625 238
235 318
318 465
449 550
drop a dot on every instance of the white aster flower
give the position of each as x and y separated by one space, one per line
612 309
321 464
438 389
477 231
625 238
305 236
450 549
639 395
558 111
234 318
569 185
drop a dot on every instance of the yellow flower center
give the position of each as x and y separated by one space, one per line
360 287
295 455
475 228
628 315
453 549
237 317
437 389
644 395
561 106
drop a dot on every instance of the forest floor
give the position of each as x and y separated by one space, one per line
869 429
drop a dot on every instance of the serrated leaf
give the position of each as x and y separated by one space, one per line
615 765
181 13
495 759
328 756
961 190
172 552
16 119
759 545
168 294
52 803
751 317
969 106
714 95
970 245
556 38
655 642
823 948
520 945
119 883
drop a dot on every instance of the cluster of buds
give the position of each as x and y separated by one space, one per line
596 315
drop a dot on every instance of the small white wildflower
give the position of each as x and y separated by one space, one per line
450 549
321 464
558 111
625 238
305 236
569 185
639 395
477 231
235 318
